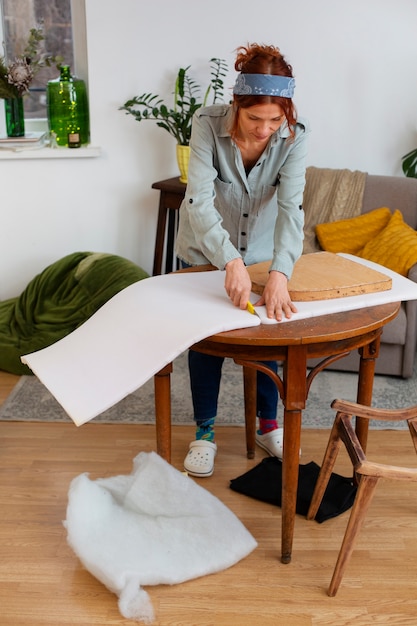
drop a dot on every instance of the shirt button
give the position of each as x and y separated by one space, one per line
242 249
246 215
243 234
190 201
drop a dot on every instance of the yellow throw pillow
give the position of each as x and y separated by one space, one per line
352 234
394 247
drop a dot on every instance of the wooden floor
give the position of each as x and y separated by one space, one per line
42 582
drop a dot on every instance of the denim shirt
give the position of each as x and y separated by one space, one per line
227 214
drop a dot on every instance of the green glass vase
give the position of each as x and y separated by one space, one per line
67 105
15 117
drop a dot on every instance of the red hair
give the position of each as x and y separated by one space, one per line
262 59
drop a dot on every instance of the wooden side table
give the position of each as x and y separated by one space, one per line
171 195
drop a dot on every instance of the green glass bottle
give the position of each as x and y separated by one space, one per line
67 104
15 117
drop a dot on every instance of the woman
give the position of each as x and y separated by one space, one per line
243 205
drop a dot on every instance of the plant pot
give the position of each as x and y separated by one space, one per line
183 158
15 118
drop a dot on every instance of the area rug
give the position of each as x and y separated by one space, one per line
31 401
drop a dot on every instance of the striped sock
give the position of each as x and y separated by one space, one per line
266 425
205 430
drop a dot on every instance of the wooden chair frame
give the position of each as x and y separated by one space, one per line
367 473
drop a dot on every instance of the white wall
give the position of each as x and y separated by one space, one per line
354 64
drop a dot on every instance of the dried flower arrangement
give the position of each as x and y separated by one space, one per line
16 76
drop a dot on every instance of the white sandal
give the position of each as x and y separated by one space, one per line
200 458
272 442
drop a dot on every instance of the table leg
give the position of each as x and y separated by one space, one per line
160 237
368 354
295 394
162 386
290 463
249 387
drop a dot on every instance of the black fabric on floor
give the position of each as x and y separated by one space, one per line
263 482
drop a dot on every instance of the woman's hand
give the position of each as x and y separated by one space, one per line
276 297
237 283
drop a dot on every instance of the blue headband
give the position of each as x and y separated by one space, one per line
264 85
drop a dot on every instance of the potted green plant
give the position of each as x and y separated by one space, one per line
410 164
178 118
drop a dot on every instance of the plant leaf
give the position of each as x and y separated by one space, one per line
178 121
409 164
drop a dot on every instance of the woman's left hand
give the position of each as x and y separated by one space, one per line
276 297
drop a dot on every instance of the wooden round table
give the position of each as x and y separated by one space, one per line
329 338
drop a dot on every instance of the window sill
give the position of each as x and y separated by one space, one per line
45 152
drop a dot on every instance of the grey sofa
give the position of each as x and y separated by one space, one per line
399 338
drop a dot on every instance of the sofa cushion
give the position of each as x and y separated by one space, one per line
395 246
351 235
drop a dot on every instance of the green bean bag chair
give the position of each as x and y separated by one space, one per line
58 300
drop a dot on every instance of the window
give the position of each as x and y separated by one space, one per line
65 31
19 16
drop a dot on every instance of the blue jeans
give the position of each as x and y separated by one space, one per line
205 376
